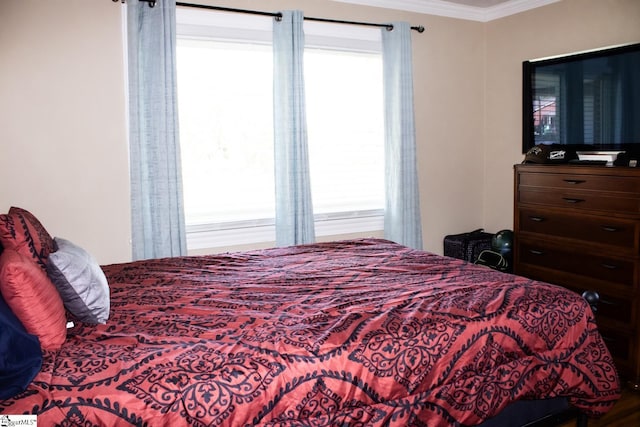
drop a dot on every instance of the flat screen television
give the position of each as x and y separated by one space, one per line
586 101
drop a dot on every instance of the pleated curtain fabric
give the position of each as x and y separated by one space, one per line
158 226
402 222
294 210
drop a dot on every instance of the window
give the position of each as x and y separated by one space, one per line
226 130
345 129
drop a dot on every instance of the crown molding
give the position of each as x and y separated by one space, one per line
455 10
513 7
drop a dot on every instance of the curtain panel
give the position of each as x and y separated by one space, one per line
294 210
158 226
402 222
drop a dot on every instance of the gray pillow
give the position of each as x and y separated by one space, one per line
80 282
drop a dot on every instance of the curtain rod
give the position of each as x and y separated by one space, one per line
278 15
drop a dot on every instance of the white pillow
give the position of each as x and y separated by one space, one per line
80 282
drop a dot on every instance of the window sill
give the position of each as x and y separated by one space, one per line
212 236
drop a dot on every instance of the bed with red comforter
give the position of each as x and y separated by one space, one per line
352 333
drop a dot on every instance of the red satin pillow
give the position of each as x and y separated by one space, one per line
33 299
21 231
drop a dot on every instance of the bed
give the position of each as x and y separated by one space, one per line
360 332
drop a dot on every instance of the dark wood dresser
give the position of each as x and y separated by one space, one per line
579 226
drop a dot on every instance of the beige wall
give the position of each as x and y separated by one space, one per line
63 149
560 28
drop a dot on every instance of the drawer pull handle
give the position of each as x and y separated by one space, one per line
574 181
535 252
536 218
609 266
571 200
606 302
609 228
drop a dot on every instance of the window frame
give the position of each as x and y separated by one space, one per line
226 26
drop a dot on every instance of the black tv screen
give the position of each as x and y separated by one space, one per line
587 101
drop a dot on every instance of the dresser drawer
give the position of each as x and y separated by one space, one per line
597 229
618 343
579 200
616 308
600 267
570 181
613 308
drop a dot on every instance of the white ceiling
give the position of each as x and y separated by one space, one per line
474 10
478 3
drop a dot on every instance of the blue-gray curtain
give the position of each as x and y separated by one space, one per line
402 222
294 210
158 227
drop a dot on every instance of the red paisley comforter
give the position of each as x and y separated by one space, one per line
362 332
